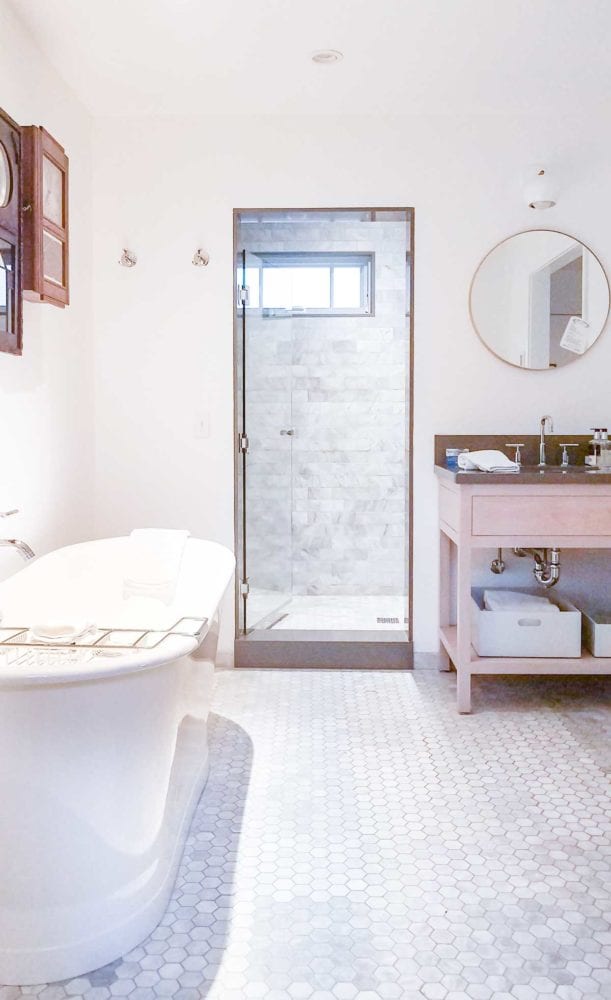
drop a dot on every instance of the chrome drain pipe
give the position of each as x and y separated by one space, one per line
547 565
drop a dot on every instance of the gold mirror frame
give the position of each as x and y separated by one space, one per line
506 239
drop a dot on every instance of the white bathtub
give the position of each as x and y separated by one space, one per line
102 761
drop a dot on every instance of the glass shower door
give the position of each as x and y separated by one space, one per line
266 436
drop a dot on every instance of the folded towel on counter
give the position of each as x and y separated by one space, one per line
60 633
153 563
486 461
513 600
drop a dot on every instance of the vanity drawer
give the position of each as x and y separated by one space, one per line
539 515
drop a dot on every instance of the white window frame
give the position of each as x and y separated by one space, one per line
332 260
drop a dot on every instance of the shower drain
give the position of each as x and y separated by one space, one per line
390 621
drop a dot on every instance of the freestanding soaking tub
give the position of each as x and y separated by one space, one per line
103 756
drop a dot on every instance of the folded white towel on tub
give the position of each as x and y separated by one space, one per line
153 563
514 600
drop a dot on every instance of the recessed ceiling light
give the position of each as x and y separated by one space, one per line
325 57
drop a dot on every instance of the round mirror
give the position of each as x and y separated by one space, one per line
5 177
539 299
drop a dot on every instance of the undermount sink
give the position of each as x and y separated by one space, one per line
557 470
527 475
571 470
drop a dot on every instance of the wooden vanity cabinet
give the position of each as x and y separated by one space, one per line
45 218
472 518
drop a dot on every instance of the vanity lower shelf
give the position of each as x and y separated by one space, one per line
585 664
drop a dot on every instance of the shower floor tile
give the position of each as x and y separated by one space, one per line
268 609
359 840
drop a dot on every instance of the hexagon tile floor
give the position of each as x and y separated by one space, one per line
359 840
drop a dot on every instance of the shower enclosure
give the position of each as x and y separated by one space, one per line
323 375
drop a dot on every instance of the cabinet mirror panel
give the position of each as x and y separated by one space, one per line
52 192
7 287
53 258
10 235
5 177
539 299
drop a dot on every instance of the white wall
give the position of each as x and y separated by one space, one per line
164 329
46 415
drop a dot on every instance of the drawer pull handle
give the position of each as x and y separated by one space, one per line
529 622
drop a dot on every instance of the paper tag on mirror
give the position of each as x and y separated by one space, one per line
575 336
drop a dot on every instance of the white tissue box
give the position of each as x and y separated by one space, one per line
516 633
597 634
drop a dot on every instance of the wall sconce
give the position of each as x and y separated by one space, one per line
128 258
540 191
200 258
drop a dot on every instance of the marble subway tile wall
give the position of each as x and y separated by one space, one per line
327 507
269 474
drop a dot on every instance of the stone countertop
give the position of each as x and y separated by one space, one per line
529 475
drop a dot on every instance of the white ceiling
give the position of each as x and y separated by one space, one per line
401 56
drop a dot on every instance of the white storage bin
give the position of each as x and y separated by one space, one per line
597 632
514 633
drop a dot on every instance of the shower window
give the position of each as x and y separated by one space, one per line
316 284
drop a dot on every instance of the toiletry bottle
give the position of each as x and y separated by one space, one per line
452 457
595 447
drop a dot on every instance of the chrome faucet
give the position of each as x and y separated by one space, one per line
546 421
22 548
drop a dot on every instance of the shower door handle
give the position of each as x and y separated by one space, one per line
289 432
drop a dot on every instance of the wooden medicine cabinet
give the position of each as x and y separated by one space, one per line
45 217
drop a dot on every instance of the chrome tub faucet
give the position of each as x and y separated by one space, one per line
22 548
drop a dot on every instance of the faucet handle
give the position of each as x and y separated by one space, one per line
8 513
565 455
517 445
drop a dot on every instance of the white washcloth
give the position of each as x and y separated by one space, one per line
487 461
61 633
514 600
153 563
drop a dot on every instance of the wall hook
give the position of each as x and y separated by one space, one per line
200 258
128 258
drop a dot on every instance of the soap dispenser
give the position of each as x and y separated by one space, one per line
604 454
594 448
599 447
